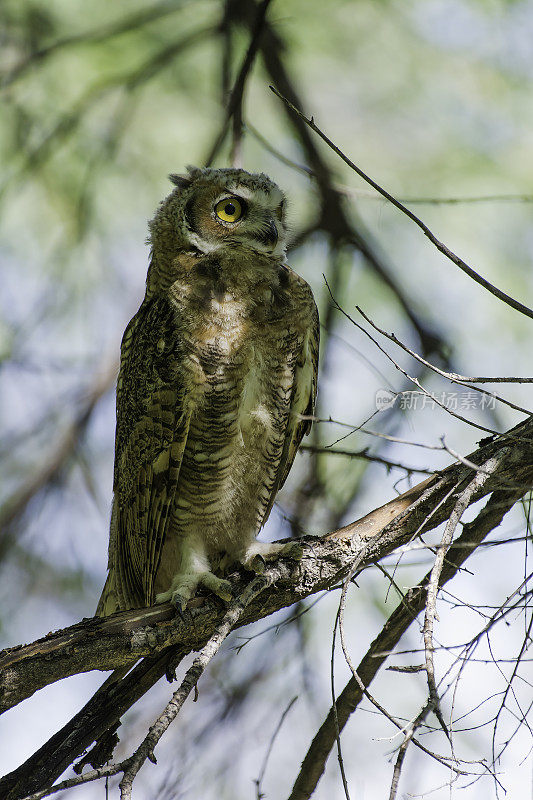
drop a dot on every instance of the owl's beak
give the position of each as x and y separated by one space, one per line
268 233
271 233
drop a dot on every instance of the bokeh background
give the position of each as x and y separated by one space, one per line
434 100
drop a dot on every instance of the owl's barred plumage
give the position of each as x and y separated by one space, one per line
217 368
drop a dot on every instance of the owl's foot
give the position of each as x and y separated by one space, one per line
259 553
184 587
218 586
256 564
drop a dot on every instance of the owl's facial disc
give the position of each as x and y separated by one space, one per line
240 211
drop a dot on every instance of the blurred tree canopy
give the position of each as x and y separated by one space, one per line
432 99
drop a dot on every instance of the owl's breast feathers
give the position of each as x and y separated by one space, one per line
215 376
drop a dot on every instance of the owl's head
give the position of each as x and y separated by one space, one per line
211 209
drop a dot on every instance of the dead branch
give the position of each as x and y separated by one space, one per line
125 637
154 633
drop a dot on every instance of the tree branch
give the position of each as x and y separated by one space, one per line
123 638
399 621
234 107
155 633
528 312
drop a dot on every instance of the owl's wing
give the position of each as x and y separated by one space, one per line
303 397
152 429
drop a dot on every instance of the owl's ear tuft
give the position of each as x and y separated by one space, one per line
193 171
181 181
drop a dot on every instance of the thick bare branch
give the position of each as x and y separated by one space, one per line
120 640
234 108
123 638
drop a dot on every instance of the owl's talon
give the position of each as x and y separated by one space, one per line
226 592
175 598
179 601
257 564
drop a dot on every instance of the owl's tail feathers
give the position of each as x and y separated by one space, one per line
109 600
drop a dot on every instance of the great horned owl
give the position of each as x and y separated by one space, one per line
217 368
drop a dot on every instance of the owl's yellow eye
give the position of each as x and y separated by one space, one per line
229 209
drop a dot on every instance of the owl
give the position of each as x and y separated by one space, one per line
217 380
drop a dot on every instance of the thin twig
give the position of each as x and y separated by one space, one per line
334 708
259 780
510 301
461 380
233 614
399 621
70 783
461 505
366 456
452 376
402 750
415 380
